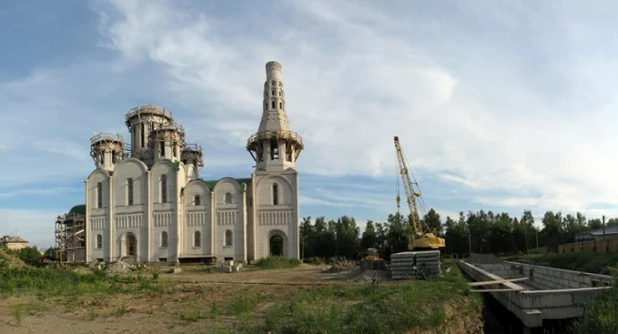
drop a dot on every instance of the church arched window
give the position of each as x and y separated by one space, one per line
275 194
228 199
99 241
197 239
164 188
228 238
163 239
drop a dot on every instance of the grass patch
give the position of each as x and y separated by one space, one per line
49 282
388 308
583 261
277 262
600 314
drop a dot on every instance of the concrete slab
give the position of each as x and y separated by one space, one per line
549 293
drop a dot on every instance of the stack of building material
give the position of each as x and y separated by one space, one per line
415 265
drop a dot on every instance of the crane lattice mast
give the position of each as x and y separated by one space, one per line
410 193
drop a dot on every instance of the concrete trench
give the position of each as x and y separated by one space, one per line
547 295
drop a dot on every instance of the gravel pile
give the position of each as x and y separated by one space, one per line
118 267
369 276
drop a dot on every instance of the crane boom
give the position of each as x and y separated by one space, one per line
423 240
410 193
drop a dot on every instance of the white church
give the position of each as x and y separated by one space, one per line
149 204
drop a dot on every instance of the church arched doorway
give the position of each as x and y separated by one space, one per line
131 244
276 245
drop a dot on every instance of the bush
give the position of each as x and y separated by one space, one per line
277 262
600 314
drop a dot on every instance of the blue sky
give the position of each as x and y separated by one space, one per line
504 105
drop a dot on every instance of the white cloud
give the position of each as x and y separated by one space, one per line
473 93
352 84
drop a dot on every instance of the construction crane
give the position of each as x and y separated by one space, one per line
419 240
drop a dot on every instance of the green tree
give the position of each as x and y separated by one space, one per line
370 237
433 222
346 235
552 231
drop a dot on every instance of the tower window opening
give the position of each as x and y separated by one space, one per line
197 239
162 149
197 200
164 188
163 239
275 194
273 82
280 105
272 93
143 134
99 241
274 150
174 152
129 191
99 195
280 93
228 238
228 198
273 105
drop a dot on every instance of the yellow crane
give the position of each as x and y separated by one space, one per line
419 240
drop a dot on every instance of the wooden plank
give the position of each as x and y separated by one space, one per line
500 281
497 290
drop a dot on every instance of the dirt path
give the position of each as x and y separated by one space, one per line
303 274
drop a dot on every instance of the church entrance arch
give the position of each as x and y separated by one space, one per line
277 243
131 244
128 245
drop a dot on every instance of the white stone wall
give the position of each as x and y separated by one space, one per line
250 215
97 219
197 218
280 219
130 218
229 216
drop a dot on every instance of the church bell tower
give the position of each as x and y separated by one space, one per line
274 196
274 147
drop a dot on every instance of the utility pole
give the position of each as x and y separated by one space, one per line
469 240
603 227
302 255
537 240
526 237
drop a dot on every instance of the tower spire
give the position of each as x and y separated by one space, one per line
274 146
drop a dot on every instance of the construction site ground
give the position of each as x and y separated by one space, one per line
252 301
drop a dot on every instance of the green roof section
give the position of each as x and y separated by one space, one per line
78 210
176 163
242 182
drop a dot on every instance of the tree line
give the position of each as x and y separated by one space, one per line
479 232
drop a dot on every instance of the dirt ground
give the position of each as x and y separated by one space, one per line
187 309
162 314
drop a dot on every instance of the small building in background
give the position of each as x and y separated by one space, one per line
13 242
611 232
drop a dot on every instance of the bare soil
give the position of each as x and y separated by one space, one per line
179 311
